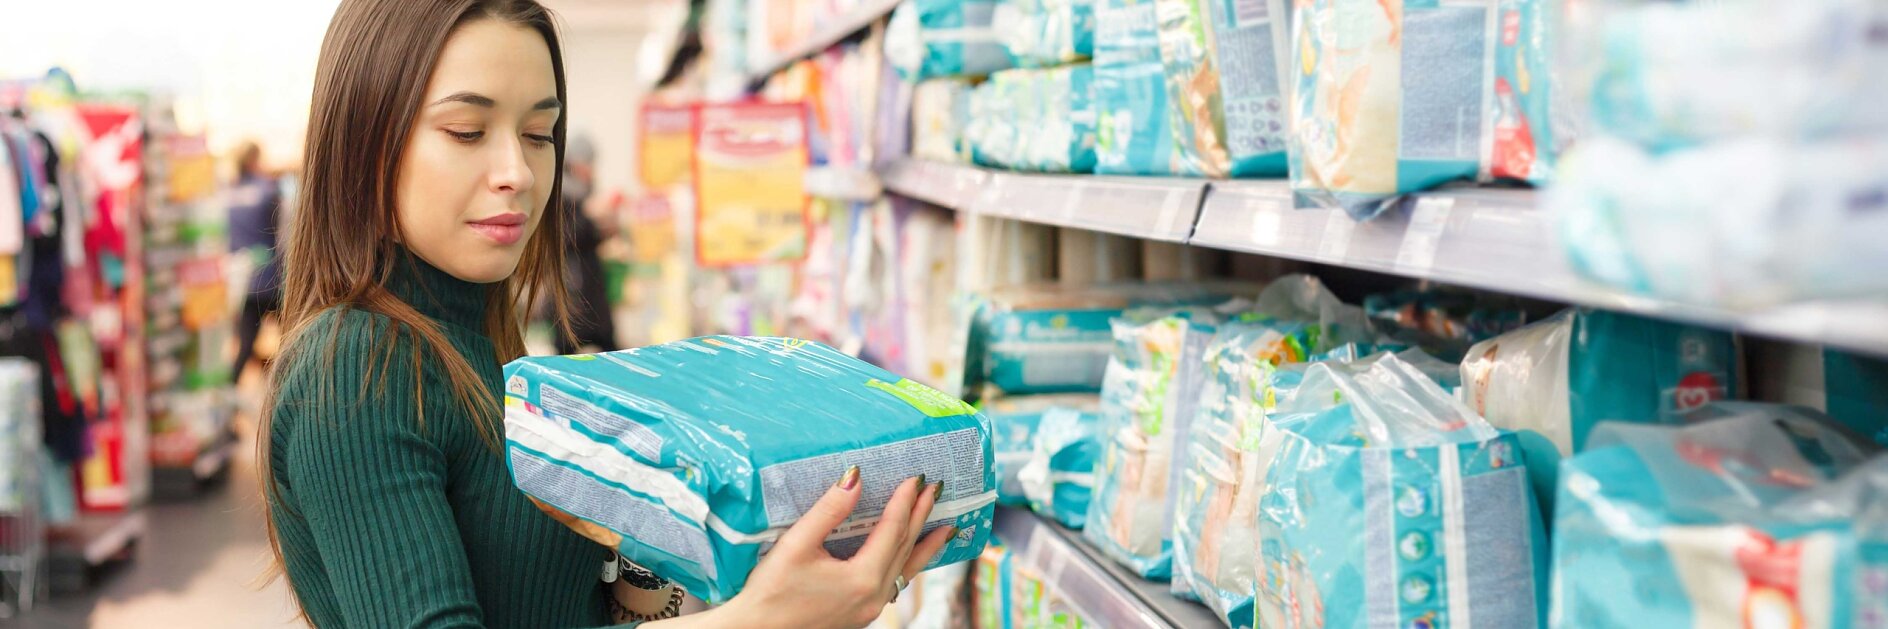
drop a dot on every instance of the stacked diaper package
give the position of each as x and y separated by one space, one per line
1393 98
1132 118
1734 151
1016 424
1752 515
1058 477
691 458
944 38
1224 64
1388 503
1034 120
939 110
1041 33
19 433
1554 380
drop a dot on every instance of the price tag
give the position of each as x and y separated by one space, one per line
1266 221
1424 234
1169 213
1335 243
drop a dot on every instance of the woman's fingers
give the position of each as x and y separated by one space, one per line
920 513
880 553
809 534
926 550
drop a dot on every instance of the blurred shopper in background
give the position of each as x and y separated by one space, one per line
255 212
590 223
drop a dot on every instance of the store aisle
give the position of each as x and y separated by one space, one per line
197 567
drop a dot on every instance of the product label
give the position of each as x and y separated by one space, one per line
1443 75
637 437
956 458
931 402
584 496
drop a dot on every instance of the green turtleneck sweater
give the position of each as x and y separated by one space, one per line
388 518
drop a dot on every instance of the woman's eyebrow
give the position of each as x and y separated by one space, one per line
548 103
480 100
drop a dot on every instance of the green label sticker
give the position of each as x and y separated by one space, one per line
931 402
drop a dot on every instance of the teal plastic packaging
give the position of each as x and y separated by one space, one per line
1554 380
1754 515
1035 120
1387 503
944 38
1132 133
1223 63
1041 33
1015 423
695 455
1059 476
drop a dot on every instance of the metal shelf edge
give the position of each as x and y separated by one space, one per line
1102 591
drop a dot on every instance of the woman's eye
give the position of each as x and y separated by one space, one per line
540 140
465 136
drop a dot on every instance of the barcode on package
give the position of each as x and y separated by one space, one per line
580 495
638 437
790 489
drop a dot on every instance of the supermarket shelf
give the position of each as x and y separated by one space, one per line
98 537
842 26
1493 239
1155 208
1101 590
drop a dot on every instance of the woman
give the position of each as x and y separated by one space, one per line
431 167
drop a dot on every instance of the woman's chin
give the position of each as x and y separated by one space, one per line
492 267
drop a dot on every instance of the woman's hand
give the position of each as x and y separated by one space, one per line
799 584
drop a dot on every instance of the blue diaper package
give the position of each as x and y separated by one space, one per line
1223 62
1035 120
944 38
1015 423
1031 339
690 458
1554 380
1132 134
1755 515
1059 476
1387 503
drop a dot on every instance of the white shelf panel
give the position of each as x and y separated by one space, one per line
1105 594
839 28
1155 208
1497 240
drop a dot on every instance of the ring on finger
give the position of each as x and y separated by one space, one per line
898 586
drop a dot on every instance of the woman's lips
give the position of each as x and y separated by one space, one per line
504 229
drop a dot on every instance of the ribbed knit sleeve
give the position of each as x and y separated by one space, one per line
373 488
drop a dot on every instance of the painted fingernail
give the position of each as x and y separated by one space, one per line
937 490
952 534
850 479
920 480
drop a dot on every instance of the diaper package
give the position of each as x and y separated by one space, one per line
1059 475
944 38
1753 516
992 591
1152 386
690 458
1744 223
20 432
1387 503
1393 98
1554 380
1040 33
1132 134
1035 120
1224 63
939 109
1015 423
1853 393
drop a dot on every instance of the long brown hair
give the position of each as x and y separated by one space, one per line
376 61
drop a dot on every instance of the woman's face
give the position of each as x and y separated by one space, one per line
479 163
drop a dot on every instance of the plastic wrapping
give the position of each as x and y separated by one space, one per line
1393 98
1059 476
1132 118
939 109
939 38
1034 120
691 458
1743 223
1554 380
1039 33
1755 516
1387 503
1152 384
1444 322
1015 430
1224 65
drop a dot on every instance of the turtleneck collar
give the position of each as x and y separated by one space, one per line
437 294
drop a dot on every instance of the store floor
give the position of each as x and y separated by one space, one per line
197 567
